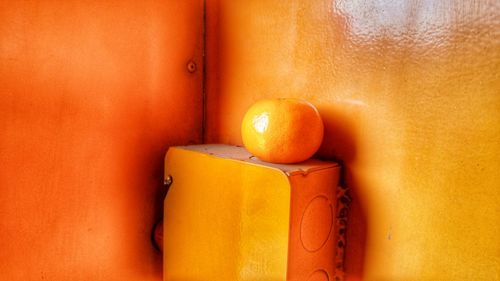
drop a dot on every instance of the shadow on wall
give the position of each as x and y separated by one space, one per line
339 143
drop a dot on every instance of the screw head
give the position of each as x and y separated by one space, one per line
191 66
168 180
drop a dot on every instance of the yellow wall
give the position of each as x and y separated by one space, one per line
92 93
410 95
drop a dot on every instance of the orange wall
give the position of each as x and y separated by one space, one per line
91 95
409 92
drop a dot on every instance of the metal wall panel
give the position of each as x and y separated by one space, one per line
410 95
92 93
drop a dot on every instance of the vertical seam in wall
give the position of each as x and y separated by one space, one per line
204 73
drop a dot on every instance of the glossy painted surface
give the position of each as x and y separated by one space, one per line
410 96
212 230
92 93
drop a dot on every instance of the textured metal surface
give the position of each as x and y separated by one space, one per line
410 95
92 93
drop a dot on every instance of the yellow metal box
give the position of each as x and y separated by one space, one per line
229 216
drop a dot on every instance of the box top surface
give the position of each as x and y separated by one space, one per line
239 153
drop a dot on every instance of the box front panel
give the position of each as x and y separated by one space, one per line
224 219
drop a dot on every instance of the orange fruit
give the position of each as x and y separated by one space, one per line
282 130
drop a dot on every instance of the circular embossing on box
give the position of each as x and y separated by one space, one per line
319 275
317 222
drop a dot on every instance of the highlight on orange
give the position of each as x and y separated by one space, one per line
282 130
